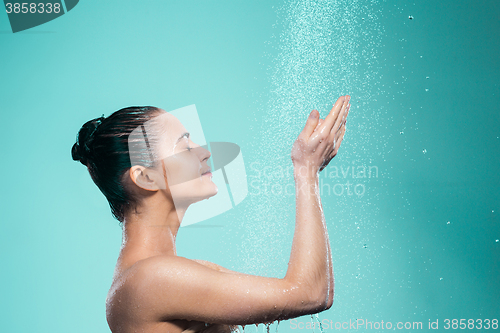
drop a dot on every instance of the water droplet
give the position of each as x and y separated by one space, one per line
448 222
410 17
497 240
424 151
319 321
427 77
365 246
426 89
440 279
401 132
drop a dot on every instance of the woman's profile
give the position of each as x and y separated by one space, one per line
146 165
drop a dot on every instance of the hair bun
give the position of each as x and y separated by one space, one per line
81 150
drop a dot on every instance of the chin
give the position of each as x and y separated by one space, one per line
206 193
216 191
213 191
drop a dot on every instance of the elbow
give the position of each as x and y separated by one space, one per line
323 298
317 300
320 302
326 300
331 287
323 294
330 301
309 297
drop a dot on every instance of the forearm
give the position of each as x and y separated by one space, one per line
331 283
309 263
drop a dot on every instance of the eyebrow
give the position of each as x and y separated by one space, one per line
183 135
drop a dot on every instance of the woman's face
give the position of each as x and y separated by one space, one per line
187 171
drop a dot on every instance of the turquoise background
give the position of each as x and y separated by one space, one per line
421 244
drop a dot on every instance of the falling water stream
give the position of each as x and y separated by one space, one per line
322 49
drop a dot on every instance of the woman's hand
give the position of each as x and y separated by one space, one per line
320 139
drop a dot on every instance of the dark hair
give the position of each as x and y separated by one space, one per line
102 145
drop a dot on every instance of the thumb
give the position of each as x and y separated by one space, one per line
311 123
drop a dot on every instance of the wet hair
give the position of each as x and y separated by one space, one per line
102 145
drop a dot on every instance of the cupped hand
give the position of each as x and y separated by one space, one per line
320 139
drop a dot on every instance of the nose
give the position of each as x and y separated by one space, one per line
205 153
202 152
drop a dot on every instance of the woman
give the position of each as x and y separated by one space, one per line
144 162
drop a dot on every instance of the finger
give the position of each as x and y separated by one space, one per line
323 131
325 164
334 148
347 113
334 113
340 132
340 119
338 142
311 123
319 124
335 134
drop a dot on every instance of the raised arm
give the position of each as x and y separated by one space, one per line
171 287
314 148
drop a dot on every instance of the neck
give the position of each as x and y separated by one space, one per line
152 228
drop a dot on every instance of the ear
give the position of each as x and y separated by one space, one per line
144 177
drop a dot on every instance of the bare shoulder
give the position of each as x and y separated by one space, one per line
123 299
129 280
132 293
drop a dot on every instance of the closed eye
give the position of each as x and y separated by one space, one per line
185 135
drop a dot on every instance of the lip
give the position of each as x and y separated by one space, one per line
208 173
